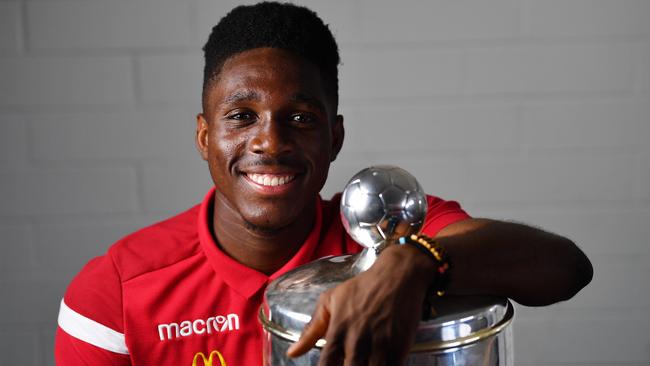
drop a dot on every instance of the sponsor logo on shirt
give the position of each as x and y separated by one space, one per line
186 328
208 361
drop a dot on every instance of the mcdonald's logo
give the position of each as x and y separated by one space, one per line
208 361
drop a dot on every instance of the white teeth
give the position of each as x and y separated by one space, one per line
270 180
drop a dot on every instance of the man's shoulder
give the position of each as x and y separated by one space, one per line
156 246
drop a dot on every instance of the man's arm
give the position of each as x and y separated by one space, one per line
531 266
90 324
372 318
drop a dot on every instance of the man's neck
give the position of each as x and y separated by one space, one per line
264 250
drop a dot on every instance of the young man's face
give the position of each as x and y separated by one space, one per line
269 132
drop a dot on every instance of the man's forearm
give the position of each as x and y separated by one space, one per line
531 266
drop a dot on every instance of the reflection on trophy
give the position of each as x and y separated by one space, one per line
379 206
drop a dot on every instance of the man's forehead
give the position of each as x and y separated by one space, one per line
251 95
263 73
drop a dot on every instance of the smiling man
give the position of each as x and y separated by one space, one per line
186 291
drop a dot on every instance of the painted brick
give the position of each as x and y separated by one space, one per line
32 302
145 133
529 339
428 170
109 24
549 68
18 348
10 24
418 129
13 141
412 20
57 81
352 117
585 124
56 191
174 186
547 180
642 77
594 231
171 78
643 165
589 17
577 336
595 338
399 73
66 247
620 282
18 250
46 347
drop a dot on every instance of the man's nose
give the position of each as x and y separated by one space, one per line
271 138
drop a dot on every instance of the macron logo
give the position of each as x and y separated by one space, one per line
186 328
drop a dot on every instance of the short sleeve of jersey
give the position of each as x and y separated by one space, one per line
440 214
90 324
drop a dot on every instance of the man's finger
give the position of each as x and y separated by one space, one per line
357 350
314 331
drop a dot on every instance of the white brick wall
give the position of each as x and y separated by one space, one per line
421 72
439 20
549 68
122 134
63 81
566 18
531 110
108 24
10 23
171 78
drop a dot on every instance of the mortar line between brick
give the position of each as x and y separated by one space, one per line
140 205
135 79
193 21
24 27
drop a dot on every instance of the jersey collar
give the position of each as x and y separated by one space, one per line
244 280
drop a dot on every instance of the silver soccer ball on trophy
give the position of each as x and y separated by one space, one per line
380 204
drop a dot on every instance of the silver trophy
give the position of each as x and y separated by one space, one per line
378 206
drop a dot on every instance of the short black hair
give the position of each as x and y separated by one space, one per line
277 25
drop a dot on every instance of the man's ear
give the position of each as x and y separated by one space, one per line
201 139
338 134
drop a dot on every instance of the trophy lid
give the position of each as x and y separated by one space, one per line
290 300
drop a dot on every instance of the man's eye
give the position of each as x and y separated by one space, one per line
241 116
303 118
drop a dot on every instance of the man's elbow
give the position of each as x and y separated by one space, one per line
571 272
576 272
582 272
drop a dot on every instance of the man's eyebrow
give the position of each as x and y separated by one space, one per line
308 99
242 96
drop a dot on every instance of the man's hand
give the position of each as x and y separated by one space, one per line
372 318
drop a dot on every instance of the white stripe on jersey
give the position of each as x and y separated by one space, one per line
90 331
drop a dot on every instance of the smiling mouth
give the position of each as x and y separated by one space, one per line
271 180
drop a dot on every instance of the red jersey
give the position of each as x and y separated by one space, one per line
167 295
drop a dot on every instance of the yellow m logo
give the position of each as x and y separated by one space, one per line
207 361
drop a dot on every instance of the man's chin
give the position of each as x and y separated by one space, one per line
264 228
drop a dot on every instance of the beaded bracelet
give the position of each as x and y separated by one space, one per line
436 252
